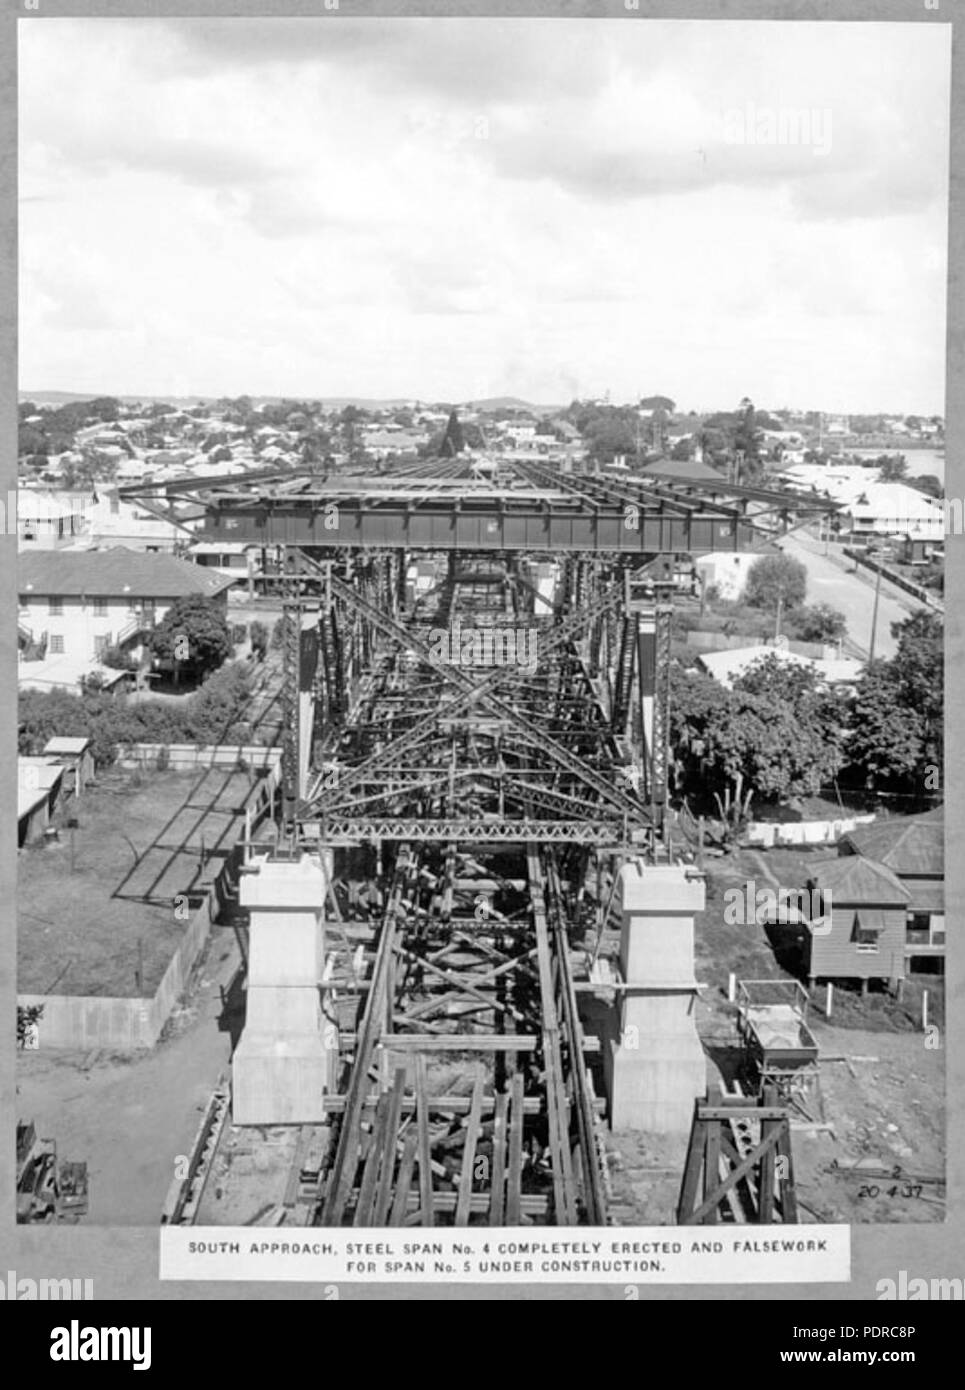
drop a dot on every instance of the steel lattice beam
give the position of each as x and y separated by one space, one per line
352 831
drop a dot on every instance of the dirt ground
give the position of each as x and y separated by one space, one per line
886 1109
129 1117
108 926
888 1113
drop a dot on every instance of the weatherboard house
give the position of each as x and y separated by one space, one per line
912 848
861 933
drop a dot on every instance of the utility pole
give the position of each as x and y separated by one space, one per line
777 624
874 613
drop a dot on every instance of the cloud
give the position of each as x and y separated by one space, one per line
470 207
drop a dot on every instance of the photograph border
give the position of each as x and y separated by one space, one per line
123 1261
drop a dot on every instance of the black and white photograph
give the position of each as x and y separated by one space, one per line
481 520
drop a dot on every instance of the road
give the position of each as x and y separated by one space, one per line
832 580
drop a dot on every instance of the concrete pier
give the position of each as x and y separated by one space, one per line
287 1055
656 1066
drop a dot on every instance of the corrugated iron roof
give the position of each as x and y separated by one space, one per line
855 879
908 846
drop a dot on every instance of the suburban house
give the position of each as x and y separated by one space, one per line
913 849
894 509
96 518
860 933
75 604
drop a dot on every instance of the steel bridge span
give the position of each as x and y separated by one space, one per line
476 753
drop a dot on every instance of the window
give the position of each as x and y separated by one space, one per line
100 607
101 644
865 931
56 646
55 604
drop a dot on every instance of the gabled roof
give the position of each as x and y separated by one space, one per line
853 880
908 846
117 572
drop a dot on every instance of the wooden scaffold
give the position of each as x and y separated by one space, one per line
739 1166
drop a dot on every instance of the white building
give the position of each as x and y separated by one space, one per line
894 509
51 518
726 572
726 667
78 603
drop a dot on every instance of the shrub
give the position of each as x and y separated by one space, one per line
258 633
118 660
773 578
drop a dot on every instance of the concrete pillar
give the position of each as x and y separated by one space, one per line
287 1055
656 1066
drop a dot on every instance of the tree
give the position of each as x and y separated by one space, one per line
776 735
453 441
897 721
918 668
193 635
928 484
775 578
892 467
818 622
106 408
746 441
886 740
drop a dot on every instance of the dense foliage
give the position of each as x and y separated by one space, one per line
193 636
779 734
214 714
775 578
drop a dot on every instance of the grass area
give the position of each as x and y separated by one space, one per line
107 926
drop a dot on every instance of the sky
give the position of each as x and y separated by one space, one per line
455 209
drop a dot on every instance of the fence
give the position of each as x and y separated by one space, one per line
893 577
124 1024
182 757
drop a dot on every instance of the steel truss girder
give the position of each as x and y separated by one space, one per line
340 830
479 692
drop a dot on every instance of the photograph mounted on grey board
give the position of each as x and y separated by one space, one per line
481 545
